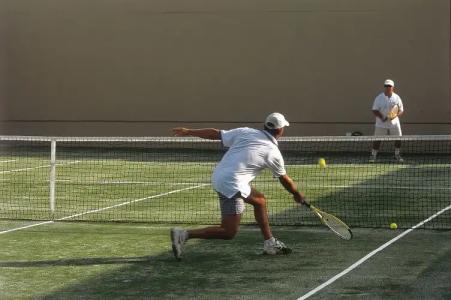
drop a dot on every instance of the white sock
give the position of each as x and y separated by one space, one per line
270 240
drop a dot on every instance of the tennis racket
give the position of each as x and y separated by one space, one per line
393 113
335 224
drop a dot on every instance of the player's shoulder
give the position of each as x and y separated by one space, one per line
239 133
274 153
379 96
397 98
246 130
378 100
236 130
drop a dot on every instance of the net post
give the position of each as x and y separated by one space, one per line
52 174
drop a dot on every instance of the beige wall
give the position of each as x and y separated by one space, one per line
135 67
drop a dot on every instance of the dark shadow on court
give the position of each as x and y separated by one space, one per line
75 262
236 270
210 270
406 196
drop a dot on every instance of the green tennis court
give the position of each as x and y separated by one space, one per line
122 261
108 233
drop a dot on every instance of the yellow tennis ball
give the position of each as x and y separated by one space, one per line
322 163
393 226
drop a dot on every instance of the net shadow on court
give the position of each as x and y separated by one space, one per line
405 196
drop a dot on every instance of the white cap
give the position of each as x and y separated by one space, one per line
389 82
275 121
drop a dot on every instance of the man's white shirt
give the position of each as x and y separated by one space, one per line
384 105
250 151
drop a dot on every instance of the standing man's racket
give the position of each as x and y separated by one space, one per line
334 223
393 112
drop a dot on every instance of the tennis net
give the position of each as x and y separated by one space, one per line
167 180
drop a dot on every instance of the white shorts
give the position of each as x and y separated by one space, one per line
395 131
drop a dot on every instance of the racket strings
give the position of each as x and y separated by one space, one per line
336 225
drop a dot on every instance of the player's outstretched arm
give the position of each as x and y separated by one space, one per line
291 187
204 133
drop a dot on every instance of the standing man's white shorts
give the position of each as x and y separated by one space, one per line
395 131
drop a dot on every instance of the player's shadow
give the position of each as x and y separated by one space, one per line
209 270
75 262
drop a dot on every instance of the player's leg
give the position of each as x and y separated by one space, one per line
258 201
378 131
230 225
231 210
271 245
396 131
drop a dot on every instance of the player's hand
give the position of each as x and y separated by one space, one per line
391 117
180 131
300 198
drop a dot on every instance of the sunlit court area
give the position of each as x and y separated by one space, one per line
93 178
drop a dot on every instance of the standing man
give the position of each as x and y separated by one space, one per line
250 151
387 108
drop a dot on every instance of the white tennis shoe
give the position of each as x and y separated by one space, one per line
398 158
178 238
273 247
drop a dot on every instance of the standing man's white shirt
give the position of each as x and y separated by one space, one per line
384 105
250 151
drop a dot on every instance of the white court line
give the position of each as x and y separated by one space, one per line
385 187
317 185
25 227
133 201
5 161
39 167
105 208
128 182
320 185
372 253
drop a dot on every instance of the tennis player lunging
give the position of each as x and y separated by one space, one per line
250 151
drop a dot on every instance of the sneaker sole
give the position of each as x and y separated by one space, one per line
174 248
286 251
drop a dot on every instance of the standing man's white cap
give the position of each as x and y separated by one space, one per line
389 82
276 121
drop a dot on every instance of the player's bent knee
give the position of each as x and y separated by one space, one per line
230 233
259 200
